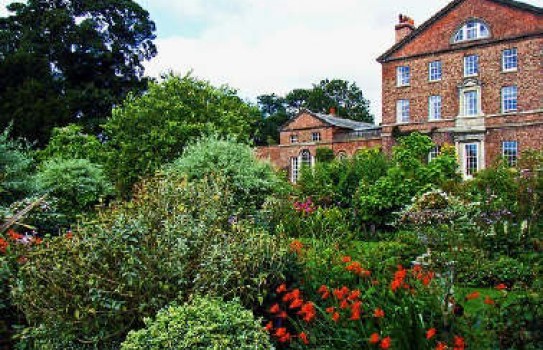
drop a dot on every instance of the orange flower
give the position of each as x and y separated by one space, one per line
355 294
374 338
296 303
296 246
280 332
330 309
325 295
441 346
322 289
473 295
430 333
281 289
3 245
489 301
346 259
275 309
295 294
308 312
459 343
269 326
282 314
69 235
378 313
285 338
14 235
355 311
38 240
340 294
344 304
385 343
303 338
335 317
501 286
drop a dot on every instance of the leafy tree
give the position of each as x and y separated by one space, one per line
16 166
274 114
70 61
151 130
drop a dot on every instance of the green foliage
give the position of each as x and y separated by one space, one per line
15 169
409 175
336 182
325 154
203 323
172 240
70 61
250 180
70 142
76 184
150 130
489 273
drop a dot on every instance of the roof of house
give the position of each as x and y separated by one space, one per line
335 121
443 12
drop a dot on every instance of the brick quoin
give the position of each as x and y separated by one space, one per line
512 25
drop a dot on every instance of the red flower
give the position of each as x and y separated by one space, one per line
346 259
330 309
374 338
344 304
282 314
303 338
280 332
441 346
275 309
296 246
308 312
473 295
281 289
296 303
335 317
14 235
430 333
3 245
379 313
340 294
355 294
295 294
501 286
322 289
355 311
269 326
489 301
69 235
459 343
385 343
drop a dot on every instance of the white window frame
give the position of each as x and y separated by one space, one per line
434 153
294 169
434 107
434 71
316 136
468 110
473 29
403 111
403 76
510 54
509 98
293 138
510 152
471 65
467 160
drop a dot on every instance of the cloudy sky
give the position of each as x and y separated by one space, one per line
273 46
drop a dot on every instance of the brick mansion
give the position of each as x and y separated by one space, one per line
470 76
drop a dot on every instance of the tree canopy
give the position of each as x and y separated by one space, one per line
345 97
148 131
70 61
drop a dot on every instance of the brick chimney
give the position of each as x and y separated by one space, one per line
405 27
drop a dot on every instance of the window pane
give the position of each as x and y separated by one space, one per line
509 99
471 65
510 60
510 152
402 111
434 105
434 70
471 158
402 76
470 103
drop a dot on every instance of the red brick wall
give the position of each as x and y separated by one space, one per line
504 21
528 137
304 126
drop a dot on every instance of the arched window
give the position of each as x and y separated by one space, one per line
305 158
342 155
473 29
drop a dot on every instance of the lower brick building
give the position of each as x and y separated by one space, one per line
471 76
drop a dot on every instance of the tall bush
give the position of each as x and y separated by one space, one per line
16 167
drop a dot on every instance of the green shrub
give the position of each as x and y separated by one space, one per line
490 273
251 180
202 324
16 164
70 142
76 184
172 239
324 154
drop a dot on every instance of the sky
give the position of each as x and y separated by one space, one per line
273 46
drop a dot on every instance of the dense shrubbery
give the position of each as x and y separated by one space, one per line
203 323
172 239
250 181
16 164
